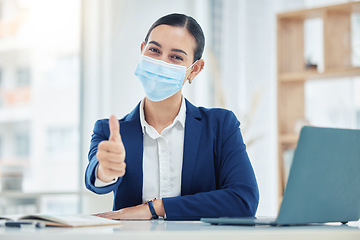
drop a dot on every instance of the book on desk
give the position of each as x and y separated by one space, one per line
76 220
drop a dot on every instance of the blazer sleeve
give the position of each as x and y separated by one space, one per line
236 193
98 135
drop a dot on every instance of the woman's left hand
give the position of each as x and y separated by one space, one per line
139 212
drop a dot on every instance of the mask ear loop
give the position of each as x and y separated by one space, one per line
189 68
192 65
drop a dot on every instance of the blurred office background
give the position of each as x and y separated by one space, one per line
66 63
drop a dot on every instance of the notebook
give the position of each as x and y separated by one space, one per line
323 184
77 220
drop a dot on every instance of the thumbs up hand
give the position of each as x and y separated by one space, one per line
114 130
111 154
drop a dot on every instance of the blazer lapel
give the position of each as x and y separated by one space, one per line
193 129
132 138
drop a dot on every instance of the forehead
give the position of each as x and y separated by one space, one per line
173 37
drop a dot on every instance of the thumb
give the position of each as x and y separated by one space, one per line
114 129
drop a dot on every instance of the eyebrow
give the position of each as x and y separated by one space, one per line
174 49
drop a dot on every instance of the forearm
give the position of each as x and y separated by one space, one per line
90 177
139 212
159 207
101 183
218 203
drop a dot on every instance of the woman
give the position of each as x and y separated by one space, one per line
167 157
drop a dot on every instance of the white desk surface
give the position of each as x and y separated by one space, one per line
185 230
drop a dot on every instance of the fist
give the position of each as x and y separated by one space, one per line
111 154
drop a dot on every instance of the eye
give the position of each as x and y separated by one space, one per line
177 58
154 50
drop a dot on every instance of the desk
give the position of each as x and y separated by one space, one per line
185 230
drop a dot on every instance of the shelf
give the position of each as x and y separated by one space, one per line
296 76
310 75
317 12
350 72
288 138
292 73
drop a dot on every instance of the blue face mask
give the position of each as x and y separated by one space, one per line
160 79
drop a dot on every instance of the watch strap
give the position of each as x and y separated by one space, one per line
152 209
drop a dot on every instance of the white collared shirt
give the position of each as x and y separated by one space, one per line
162 157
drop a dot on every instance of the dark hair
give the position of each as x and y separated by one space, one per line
189 23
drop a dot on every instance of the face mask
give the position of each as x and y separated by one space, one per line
160 79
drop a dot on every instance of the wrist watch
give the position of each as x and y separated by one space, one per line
152 209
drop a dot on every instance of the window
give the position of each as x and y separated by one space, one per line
1 147
22 145
23 77
61 140
1 82
39 105
1 77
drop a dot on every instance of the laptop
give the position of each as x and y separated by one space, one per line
323 184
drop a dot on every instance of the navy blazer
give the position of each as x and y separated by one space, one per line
217 177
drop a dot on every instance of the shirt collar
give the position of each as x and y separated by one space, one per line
181 117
